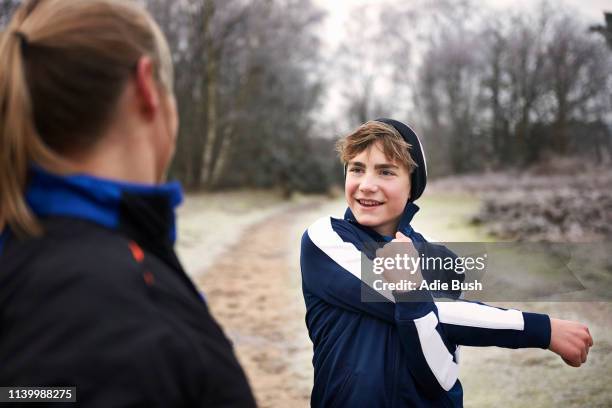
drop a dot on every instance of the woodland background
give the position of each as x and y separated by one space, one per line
486 90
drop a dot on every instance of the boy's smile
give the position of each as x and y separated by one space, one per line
377 190
369 203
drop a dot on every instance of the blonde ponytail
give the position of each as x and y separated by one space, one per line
16 130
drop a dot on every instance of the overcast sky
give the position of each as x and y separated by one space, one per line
339 10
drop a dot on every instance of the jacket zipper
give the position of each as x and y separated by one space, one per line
394 378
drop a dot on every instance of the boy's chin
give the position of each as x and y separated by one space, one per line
369 221
373 221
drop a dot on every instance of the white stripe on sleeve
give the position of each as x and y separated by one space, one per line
477 315
438 358
327 240
343 253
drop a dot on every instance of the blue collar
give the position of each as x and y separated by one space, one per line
93 199
404 225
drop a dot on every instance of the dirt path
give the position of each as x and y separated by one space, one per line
253 292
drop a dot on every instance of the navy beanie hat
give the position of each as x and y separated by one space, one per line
418 178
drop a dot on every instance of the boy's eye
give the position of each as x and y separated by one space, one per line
355 169
387 173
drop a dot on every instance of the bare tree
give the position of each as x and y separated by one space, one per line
578 69
246 83
505 88
605 30
360 65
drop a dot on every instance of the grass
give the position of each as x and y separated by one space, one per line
445 217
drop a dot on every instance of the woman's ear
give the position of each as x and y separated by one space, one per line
147 93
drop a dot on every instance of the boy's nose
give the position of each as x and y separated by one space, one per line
368 185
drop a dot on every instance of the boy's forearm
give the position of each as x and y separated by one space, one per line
476 324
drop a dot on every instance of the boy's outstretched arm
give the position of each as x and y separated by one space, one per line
477 324
331 270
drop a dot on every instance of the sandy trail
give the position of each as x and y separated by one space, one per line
253 290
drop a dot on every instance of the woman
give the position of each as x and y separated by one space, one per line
92 294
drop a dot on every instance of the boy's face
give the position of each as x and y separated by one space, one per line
377 190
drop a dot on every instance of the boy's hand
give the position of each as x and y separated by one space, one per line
399 237
570 340
390 251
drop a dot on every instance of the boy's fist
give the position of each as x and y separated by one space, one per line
570 340
407 249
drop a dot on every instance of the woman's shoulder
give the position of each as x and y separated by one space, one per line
70 251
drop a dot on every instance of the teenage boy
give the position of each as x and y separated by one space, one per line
396 353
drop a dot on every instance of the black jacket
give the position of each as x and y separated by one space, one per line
102 303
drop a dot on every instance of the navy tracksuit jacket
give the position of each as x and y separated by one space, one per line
391 354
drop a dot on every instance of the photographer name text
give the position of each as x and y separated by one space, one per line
435 285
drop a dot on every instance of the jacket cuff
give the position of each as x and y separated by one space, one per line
537 330
411 305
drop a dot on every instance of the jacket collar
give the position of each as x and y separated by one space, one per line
112 204
404 225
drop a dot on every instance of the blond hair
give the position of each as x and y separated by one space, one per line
63 66
393 145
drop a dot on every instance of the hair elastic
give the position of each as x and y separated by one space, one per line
23 41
